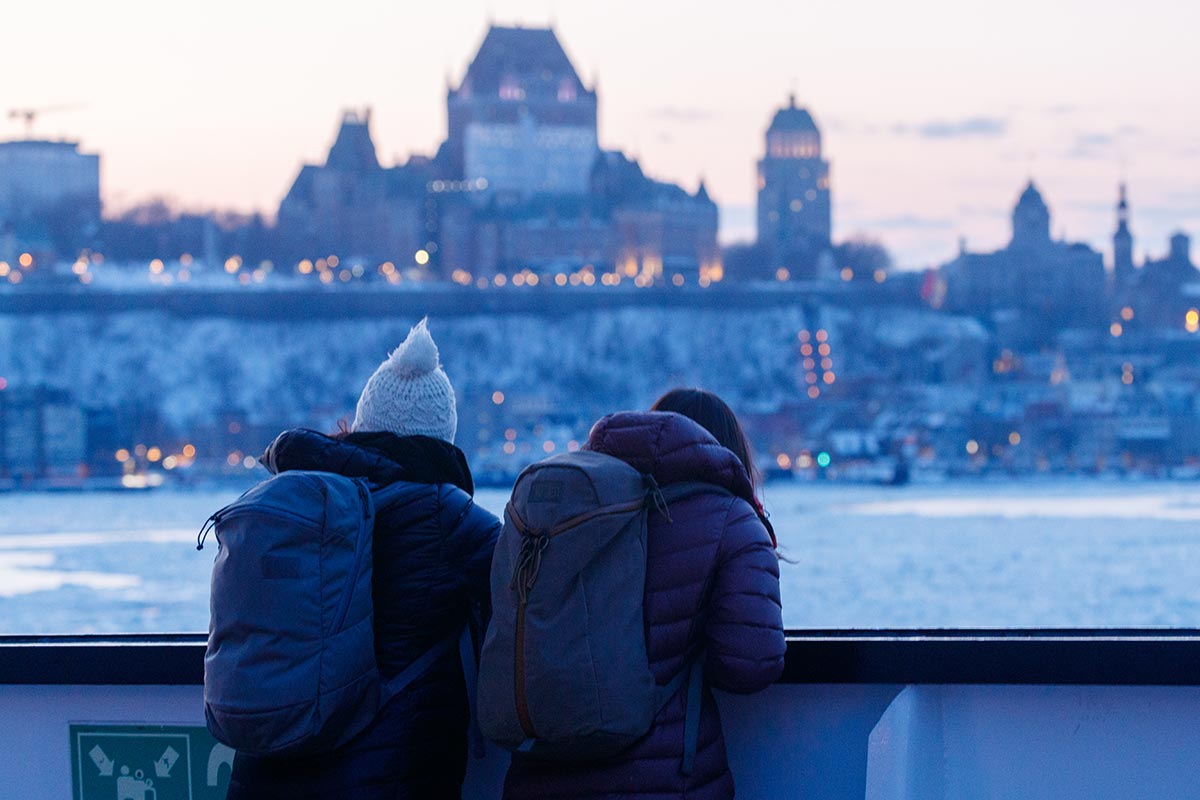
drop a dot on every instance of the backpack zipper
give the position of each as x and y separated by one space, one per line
276 511
359 549
233 510
519 674
344 605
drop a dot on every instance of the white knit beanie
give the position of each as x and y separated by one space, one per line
409 393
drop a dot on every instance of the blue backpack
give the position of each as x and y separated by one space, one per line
290 666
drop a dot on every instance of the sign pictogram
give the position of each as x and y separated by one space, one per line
148 762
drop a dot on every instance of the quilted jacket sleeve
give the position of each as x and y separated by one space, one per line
471 541
744 631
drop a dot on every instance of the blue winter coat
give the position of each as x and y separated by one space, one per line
712 583
433 553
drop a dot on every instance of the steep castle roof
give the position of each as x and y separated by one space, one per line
529 55
302 188
618 180
354 150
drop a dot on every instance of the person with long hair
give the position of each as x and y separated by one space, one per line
432 558
712 592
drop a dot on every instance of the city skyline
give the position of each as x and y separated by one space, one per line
1077 101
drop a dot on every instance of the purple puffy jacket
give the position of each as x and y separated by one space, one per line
712 582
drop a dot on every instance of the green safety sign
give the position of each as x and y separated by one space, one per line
148 762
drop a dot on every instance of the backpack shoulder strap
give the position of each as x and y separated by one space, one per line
464 642
393 686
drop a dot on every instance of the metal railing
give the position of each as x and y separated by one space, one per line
1117 657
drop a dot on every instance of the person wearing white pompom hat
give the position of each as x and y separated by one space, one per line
409 394
432 561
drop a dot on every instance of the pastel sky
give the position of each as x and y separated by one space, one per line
934 112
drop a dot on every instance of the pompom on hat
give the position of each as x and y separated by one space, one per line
409 393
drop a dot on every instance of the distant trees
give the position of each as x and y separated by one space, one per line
863 255
156 228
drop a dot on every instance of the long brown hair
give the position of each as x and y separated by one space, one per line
716 417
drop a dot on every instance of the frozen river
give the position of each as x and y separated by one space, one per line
968 555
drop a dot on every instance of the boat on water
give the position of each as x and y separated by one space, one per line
880 715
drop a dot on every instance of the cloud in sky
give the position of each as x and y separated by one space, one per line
841 125
1062 109
990 212
965 128
1100 144
683 114
1094 139
1090 146
1189 197
1172 213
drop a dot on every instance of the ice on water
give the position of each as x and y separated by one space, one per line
1056 554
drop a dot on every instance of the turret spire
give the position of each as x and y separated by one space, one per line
1123 242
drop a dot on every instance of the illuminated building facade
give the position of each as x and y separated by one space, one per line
521 120
794 212
518 186
659 230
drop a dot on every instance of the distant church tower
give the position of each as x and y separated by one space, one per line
794 218
1123 244
1030 221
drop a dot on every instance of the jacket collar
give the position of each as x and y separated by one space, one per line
382 458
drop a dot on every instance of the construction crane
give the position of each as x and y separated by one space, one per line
31 114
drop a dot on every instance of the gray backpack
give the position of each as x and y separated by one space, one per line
564 672
290 666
